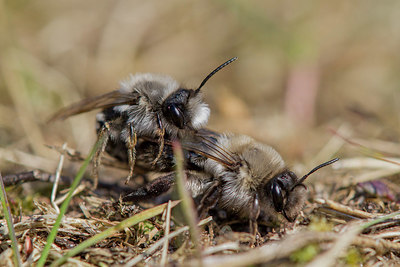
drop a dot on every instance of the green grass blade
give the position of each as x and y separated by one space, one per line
64 206
140 217
379 220
11 232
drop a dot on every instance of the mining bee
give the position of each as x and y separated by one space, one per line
146 104
232 172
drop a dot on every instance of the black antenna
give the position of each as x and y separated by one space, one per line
215 71
314 170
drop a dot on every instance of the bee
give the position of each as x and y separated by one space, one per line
146 104
234 173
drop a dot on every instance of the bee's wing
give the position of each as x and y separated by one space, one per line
114 98
205 142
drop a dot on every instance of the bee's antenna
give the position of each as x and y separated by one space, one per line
215 71
314 170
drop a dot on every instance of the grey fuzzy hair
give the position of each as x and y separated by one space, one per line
152 90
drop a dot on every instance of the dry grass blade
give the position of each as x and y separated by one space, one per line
166 231
28 160
380 145
57 179
290 244
373 175
142 216
160 242
266 253
36 223
381 246
302 71
187 202
332 146
344 240
370 163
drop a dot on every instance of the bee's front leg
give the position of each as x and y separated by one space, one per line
254 213
131 143
103 135
160 133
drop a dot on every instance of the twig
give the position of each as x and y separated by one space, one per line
326 203
77 190
37 175
31 176
57 179
222 247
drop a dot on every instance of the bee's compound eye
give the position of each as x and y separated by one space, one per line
277 196
176 116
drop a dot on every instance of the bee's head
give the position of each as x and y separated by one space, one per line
186 108
288 192
287 195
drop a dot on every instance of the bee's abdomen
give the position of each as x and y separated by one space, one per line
106 115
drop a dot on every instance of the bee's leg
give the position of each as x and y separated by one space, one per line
151 190
103 135
209 200
254 213
131 151
160 133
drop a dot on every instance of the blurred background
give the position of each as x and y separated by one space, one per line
305 71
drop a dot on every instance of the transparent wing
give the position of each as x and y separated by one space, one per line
205 143
114 98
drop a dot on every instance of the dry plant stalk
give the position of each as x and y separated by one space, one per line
326 203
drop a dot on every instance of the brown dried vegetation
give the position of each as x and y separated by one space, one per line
314 80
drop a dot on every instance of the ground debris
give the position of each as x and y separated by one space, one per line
326 229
